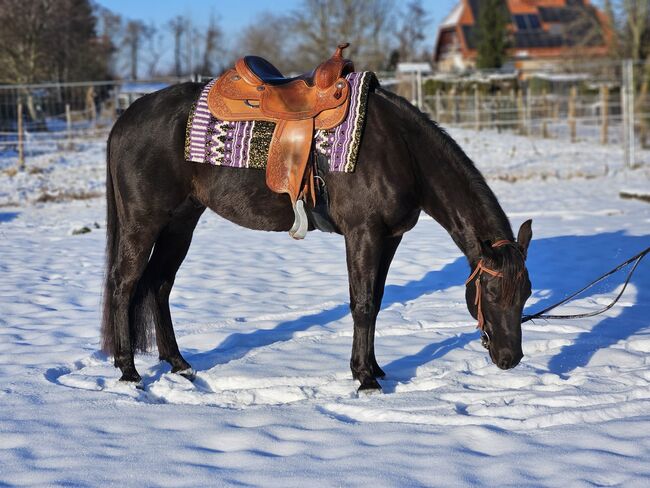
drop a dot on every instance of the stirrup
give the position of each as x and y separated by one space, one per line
300 223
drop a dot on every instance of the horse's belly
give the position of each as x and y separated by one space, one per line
241 196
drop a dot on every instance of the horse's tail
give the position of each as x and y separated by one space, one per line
143 304
112 237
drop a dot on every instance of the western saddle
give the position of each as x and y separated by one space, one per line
255 90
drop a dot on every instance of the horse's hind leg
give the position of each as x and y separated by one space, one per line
132 252
168 254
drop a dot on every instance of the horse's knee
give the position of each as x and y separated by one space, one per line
363 311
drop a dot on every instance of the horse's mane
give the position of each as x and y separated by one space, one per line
507 259
462 163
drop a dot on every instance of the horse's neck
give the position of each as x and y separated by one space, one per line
456 196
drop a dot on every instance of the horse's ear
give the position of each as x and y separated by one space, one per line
524 236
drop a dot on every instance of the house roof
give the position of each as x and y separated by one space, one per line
454 16
534 24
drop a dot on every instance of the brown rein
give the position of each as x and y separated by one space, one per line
480 269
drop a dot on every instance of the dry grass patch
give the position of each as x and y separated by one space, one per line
67 196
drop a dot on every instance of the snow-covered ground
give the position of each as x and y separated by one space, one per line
266 324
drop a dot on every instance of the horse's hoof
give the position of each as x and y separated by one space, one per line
369 386
377 372
187 373
131 376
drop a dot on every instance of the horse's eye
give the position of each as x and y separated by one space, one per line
491 290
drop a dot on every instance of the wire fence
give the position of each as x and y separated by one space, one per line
597 102
600 103
43 118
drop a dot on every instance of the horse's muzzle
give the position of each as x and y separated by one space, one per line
507 360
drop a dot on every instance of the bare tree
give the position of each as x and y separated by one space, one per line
637 13
213 38
319 25
266 37
154 43
412 31
109 28
178 26
47 40
135 35
22 50
192 39
630 26
381 30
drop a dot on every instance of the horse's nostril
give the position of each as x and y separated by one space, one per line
504 363
507 361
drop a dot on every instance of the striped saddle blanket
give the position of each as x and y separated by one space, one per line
246 144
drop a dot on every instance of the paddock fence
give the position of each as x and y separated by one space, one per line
606 103
41 118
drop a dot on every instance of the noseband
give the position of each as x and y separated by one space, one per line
478 271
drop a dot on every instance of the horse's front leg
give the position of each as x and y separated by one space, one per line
366 261
388 248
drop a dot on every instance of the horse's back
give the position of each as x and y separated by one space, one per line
147 159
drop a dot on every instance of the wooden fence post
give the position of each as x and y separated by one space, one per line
477 108
497 113
529 111
68 123
572 112
521 116
643 110
452 103
512 107
91 109
604 114
21 141
439 108
545 113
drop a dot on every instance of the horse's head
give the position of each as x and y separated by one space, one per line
496 293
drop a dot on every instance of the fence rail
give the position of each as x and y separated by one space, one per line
53 116
601 102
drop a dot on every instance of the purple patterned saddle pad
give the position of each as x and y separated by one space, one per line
246 144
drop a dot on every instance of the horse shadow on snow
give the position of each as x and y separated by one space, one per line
557 265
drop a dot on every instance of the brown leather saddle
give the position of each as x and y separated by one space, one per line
255 90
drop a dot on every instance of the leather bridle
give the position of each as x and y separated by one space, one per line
476 275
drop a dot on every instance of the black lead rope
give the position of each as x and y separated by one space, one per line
541 313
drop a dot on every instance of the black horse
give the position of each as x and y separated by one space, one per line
406 164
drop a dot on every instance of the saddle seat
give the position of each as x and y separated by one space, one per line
268 73
256 90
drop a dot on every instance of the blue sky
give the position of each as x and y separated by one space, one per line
237 13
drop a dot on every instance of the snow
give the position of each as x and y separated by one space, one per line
266 325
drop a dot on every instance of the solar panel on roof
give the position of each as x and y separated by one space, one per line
520 21
549 14
534 22
527 22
